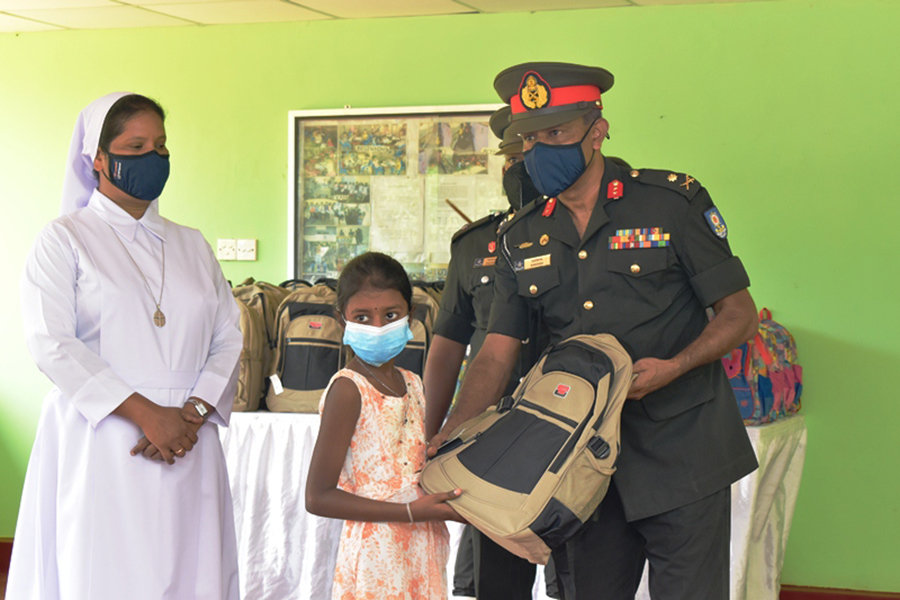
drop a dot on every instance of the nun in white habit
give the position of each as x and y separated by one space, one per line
128 314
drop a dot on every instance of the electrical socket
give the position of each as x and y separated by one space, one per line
226 249
246 249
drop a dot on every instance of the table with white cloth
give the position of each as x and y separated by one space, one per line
285 553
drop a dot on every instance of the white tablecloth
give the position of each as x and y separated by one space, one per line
287 554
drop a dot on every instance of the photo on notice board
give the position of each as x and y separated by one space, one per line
373 149
454 148
354 190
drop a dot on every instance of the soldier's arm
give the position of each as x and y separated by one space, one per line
484 383
441 373
718 280
734 323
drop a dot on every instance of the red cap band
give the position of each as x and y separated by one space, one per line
561 96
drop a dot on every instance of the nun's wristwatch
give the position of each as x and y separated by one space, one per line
201 408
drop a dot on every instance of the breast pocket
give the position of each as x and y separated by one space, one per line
638 264
481 284
534 283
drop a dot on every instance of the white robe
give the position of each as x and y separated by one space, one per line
96 522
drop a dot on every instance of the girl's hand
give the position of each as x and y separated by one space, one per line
434 507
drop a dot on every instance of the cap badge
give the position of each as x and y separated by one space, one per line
534 92
614 190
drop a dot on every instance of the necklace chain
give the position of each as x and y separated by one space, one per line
159 319
378 379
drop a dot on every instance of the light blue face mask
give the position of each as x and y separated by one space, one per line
377 345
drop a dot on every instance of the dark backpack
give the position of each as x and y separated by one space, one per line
535 467
309 350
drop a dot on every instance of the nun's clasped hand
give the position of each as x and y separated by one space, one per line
169 433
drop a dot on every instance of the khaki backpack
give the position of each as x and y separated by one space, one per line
309 350
421 324
258 302
534 467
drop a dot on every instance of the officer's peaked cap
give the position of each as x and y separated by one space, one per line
544 94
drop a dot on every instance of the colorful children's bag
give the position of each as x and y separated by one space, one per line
764 373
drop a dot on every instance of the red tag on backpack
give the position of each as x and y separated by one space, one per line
562 390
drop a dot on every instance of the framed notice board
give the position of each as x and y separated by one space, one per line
380 179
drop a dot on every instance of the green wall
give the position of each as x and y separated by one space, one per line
785 110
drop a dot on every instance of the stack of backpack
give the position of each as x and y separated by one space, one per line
764 373
293 344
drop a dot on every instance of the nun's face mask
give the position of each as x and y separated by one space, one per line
138 160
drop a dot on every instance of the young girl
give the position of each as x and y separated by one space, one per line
371 447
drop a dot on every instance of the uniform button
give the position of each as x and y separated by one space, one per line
635 173
485 279
533 289
588 305
583 254
635 268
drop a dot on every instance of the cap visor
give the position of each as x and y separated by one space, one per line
528 122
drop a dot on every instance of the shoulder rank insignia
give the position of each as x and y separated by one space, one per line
682 183
716 222
534 91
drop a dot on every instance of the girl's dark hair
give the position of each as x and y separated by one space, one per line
374 269
121 111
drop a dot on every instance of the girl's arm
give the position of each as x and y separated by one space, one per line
323 498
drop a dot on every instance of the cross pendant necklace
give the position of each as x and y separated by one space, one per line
159 319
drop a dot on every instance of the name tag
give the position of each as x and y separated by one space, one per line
536 262
490 261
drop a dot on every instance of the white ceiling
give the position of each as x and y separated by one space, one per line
47 15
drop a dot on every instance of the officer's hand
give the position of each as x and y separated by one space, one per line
651 375
435 442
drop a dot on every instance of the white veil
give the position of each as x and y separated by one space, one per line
79 182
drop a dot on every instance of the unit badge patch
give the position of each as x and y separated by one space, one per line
534 91
648 237
561 391
492 246
716 222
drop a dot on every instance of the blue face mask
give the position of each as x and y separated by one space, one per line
142 176
554 169
377 345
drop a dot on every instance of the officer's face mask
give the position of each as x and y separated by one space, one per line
377 345
518 186
554 169
143 175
